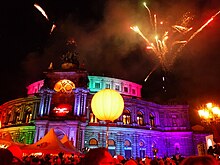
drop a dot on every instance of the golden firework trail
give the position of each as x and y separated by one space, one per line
41 10
156 66
52 28
199 30
181 29
45 15
149 12
166 45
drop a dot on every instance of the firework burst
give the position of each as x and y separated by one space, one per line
167 41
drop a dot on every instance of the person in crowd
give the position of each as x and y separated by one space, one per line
147 160
119 159
169 161
210 150
177 159
6 157
161 162
35 161
131 162
216 149
199 160
98 156
139 161
154 162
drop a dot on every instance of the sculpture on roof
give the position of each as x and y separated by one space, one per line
69 57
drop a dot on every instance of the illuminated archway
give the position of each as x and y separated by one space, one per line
59 133
126 117
93 143
140 118
152 120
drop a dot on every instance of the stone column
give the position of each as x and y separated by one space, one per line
102 138
49 96
83 140
46 104
76 102
134 116
85 92
135 146
112 85
34 110
149 147
41 133
122 87
22 112
41 109
36 134
120 144
82 136
102 84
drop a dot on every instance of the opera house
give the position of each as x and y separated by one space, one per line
62 101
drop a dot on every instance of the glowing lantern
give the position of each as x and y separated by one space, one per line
107 104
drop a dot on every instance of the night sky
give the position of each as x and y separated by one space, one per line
108 47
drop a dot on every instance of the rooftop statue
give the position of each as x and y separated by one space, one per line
69 58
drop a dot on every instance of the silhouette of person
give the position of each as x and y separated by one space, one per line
200 160
6 157
210 150
98 156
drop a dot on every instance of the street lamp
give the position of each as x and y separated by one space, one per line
107 105
210 115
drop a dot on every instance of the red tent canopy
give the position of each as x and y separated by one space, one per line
65 141
7 141
49 144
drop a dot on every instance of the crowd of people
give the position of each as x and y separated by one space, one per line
101 156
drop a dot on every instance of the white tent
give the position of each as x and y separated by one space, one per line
49 144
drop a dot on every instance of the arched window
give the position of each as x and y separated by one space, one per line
127 148
174 120
152 124
59 133
140 118
8 117
111 142
17 115
126 117
209 142
111 147
27 115
141 144
93 142
92 118
177 148
127 143
3 118
142 149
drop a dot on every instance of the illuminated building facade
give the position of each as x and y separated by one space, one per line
62 101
